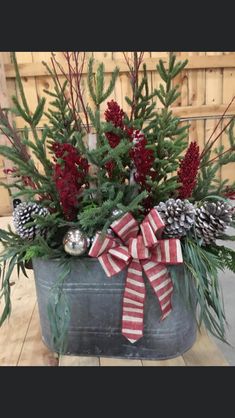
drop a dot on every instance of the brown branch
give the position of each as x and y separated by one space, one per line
70 75
80 93
75 73
217 156
72 108
54 61
128 62
9 138
134 75
58 81
221 118
213 142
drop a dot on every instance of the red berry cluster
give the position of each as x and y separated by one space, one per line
143 159
70 170
115 115
188 170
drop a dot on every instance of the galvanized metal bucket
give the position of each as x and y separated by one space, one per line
96 310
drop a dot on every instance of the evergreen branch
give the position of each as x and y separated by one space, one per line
19 83
38 112
111 86
21 112
13 136
90 80
225 254
203 265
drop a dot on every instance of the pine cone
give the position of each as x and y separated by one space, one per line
212 219
23 214
178 216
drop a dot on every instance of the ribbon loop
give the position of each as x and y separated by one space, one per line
149 238
156 222
126 227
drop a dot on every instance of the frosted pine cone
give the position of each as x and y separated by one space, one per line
212 219
178 216
23 214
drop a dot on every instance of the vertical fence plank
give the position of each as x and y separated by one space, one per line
5 203
227 171
11 85
196 97
214 83
123 86
31 94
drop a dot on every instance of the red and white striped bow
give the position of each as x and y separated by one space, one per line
140 249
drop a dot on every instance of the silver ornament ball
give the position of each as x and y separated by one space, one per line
75 242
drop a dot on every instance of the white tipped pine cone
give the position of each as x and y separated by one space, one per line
178 216
212 219
23 214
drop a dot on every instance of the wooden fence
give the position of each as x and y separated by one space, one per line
207 85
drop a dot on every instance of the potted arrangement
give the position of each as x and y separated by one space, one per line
120 222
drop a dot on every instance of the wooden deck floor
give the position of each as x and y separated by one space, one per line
21 344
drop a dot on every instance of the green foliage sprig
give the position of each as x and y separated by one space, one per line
58 309
96 82
225 254
165 135
204 265
209 181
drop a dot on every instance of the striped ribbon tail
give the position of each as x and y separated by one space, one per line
133 303
161 283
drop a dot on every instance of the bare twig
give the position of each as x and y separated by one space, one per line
209 145
134 66
70 79
216 157
73 75
213 142
80 93
72 108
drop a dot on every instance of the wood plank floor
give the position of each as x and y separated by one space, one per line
21 344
